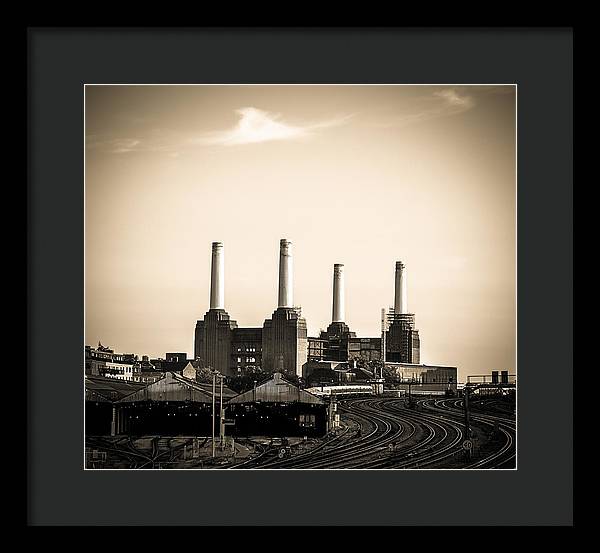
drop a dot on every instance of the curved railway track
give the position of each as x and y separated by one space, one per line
383 433
505 456
378 433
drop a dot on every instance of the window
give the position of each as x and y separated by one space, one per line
306 421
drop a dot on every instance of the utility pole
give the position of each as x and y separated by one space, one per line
466 405
383 345
332 411
113 423
214 385
221 412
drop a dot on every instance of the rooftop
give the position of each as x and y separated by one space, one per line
99 388
276 390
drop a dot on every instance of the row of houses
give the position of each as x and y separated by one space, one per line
105 362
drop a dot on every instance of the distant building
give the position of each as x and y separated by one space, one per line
368 349
285 343
190 370
103 361
173 363
246 350
176 357
280 345
339 343
148 377
120 371
333 373
96 359
316 349
402 339
424 378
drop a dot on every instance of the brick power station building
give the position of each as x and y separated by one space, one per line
282 344
399 335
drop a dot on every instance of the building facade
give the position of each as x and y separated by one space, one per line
281 344
103 361
402 339
424 378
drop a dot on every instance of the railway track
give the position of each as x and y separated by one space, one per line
383 433
505 456
379 433
128 452
374 433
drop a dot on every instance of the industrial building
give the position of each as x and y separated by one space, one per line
284 336
339 373
339 343
280 345
277 408
424 379
171 406
178 406
100 395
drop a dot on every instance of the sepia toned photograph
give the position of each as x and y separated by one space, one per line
300 277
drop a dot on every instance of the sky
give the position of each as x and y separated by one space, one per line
360 175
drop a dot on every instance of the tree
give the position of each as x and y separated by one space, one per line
243 382
204 374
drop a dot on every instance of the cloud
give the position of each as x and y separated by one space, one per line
256 125
124 145
441 103
253 126
152 143
454 100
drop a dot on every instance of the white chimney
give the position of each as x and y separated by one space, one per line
217 277
338 315
400 302
286 280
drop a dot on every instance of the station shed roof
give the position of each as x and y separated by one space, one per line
228 393
174 387
103 389
276 390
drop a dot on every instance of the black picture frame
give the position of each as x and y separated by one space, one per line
61 60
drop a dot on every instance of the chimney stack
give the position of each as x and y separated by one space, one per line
400 303
339 314
217 277
286 281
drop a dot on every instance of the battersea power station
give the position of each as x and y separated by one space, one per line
282 344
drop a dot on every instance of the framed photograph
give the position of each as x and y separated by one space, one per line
298 264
